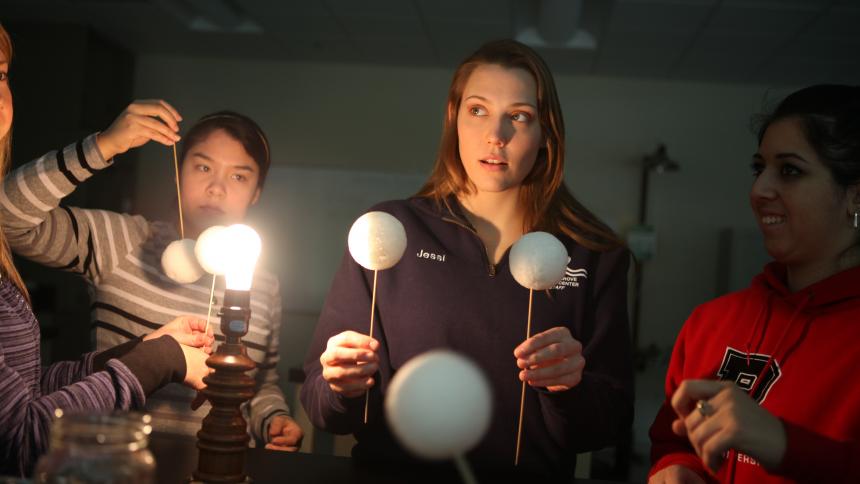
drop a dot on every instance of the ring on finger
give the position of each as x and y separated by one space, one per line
704 408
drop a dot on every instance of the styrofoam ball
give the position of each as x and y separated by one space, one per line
538 260
439 404
377 240
179 262
210 249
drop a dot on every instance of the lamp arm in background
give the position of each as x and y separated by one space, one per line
659 162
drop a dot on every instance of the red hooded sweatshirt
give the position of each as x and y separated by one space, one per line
796 354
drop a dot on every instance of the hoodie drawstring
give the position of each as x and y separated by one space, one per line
761 322
800 307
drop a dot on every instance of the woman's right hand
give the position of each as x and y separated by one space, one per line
140 122
349 362
187 330
195 367
676 474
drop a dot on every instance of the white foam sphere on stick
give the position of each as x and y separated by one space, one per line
538 260
180 263
377 240
211 250
439 404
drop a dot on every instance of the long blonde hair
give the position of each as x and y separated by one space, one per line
548 203
7 265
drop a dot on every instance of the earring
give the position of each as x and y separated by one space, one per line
857 219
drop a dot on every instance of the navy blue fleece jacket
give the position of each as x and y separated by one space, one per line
444 293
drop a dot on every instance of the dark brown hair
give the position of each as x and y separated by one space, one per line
549 205
241 128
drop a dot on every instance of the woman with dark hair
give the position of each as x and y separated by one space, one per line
498 175
761 386
224 162
121 377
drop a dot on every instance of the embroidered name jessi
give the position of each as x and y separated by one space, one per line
423 254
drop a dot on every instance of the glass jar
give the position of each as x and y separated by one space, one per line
98 449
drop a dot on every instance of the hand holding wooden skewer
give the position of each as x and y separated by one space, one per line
376 242
349 362
187 330
551 359
140 122
538 262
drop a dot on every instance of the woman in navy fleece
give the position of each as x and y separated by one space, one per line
498 175
119 378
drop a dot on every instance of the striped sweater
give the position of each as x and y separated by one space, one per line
28 396
119 255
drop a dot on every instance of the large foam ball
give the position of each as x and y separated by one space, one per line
439 404
377 240
179 262
210 250
538 260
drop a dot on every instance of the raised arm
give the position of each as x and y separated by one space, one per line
90 242
118 380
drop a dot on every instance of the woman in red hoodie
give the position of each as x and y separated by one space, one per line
761 386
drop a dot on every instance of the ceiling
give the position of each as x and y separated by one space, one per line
750 41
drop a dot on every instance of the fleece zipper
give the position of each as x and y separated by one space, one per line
491 268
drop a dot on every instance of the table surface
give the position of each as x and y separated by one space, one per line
176 459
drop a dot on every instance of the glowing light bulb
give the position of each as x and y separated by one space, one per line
231 252
243 247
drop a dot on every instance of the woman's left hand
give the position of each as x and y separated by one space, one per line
284 434
552 359
717 416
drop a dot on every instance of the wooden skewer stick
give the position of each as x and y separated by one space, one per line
178 193
465 470
523 394
372 310
211 300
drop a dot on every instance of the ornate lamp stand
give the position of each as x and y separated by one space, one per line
223 438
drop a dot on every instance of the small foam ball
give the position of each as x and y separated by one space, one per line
538 260
179 262
211 250
439 404
377 240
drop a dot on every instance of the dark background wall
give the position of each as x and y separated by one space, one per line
67 82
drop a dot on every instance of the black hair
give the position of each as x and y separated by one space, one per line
830 117
241 128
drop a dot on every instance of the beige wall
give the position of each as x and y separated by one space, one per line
337 129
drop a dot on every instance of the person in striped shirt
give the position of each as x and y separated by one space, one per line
224 160
119 378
